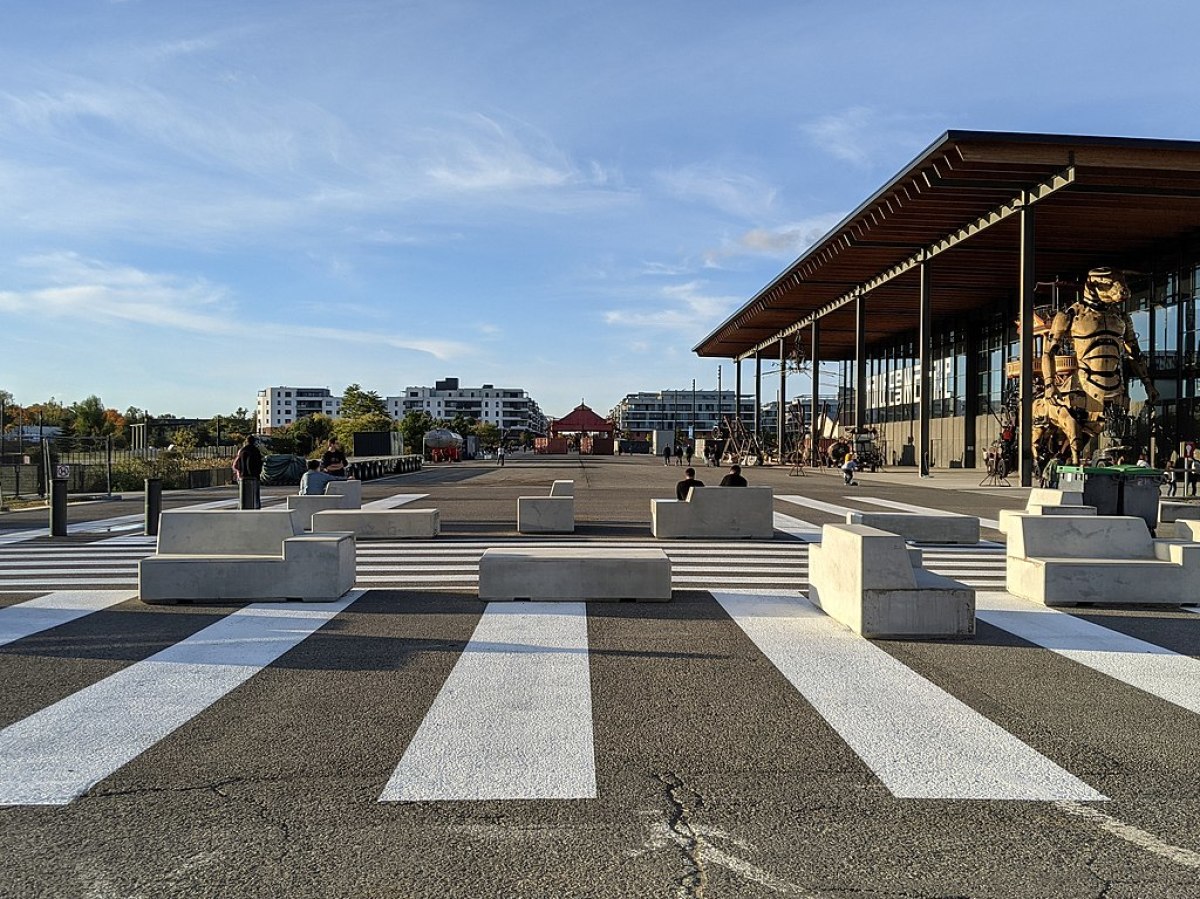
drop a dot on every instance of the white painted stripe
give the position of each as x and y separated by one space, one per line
797 527
819 505
514 719
6 573
21 536
921 510
1133 835
920 741
68 582
391 502
60 752
53 609
1146 666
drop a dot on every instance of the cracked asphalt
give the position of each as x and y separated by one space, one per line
715 777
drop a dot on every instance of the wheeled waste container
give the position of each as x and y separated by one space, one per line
1117 489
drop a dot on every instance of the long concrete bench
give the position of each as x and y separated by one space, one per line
553 514
379 524
1048 501
1171 516
211 554
920 528
1065 560
585 573
872 582
731 512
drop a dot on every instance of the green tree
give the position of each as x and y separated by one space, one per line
312 432
488 433
413 428
345 428
463 424
357 402
184 439
87 417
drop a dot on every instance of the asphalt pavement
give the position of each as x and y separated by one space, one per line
730 743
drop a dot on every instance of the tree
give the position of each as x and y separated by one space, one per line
462 423
357 402
87 417
414 426
344 429
184 439
311 432
488 433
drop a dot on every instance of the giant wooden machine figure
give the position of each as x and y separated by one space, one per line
1082 369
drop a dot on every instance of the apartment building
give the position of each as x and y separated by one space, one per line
279 406
508 408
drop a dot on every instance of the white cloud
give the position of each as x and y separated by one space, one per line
683 308
735 193
786 241
864 136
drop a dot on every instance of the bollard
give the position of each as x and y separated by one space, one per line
248 493
58 507
153 505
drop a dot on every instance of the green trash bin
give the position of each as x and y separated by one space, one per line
1117 489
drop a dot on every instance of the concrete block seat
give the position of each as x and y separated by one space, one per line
870 581
351 489
1048 501
720 512
380 524
920 528
553 514
211 555
1065 560
1173 514
585 573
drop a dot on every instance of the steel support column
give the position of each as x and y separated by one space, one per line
816 391
1028 283
781 415
860 361
924 361
758 395
737 392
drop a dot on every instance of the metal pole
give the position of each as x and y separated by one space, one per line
860 361
153 505
1028 283
779 430
757 394
58 507
720 396
923 363
737 393
816 391
693 408
108 467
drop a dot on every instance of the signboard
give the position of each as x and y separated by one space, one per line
62 472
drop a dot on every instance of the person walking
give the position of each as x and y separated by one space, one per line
667 454
684 487
248 466
691 451
734 478
679 454
500 455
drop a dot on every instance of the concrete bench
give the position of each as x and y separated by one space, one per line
553 514
870 581
921 528
379 524
1066 560
1048 501
584 573
1171 516
351 489
731 512
212 555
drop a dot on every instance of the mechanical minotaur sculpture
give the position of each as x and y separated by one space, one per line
1080 388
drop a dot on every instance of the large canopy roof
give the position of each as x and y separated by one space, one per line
1098 201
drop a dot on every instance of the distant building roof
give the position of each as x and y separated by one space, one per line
581 418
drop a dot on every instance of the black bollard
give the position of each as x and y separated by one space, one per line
153 505
58 507
248 493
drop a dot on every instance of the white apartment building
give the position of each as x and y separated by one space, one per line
279 406
508 408
667 410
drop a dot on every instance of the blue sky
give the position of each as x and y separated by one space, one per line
198 200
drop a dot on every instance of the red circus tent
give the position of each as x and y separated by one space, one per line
582 420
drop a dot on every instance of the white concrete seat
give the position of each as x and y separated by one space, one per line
379 524
730 512
1065 560
583 573
553 514
212 555
303 508
870 581
1172 515
1048 501
921 528
351 489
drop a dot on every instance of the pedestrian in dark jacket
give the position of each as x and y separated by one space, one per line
248 466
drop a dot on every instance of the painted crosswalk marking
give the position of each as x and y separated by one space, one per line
514 719
817 504
798 527
60 752
921 742
1150 668
920 510
53 610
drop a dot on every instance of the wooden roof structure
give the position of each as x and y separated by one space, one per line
1098 201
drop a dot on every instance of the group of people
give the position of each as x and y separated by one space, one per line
733 479
332 466
678 452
